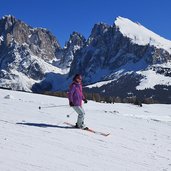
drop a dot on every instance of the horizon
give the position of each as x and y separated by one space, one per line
62 18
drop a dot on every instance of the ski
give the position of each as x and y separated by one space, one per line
88 129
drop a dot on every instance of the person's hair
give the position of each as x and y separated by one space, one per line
76 75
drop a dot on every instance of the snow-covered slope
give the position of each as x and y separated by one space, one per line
141 35
24 72
150 77
36 139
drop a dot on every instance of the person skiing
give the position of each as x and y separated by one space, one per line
75 96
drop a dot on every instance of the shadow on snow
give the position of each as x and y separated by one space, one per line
43 125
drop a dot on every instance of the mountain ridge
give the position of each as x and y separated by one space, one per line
31 59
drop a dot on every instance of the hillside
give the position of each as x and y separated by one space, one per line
36 139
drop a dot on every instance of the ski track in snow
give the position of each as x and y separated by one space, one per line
33 139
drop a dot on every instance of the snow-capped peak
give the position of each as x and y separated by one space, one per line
8 16
141 35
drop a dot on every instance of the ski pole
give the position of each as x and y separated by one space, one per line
53 106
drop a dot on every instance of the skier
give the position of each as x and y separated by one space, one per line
75 97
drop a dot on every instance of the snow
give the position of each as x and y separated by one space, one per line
128 68
141 35
19 81
1 38
164 65
76 47
36 139
22 80
151 78
99 84
7 16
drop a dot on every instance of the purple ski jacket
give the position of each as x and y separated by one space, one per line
75 94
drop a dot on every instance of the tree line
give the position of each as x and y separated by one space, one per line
108 99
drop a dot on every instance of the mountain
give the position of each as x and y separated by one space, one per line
125 59
75 43
26 54
122 59
111 48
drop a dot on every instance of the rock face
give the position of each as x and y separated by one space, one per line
108 49
23 52
126 56
40 41
131 60
75 43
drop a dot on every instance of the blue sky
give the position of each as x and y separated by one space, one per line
62 17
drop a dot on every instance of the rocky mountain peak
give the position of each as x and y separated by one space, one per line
76 39
37 41
99 29
25 53
74 44
7 21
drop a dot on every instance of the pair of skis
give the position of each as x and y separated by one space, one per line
88 129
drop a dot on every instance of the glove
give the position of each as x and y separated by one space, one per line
71 103
85 101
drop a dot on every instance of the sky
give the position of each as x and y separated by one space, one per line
62 17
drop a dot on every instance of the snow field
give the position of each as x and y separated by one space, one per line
34 139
